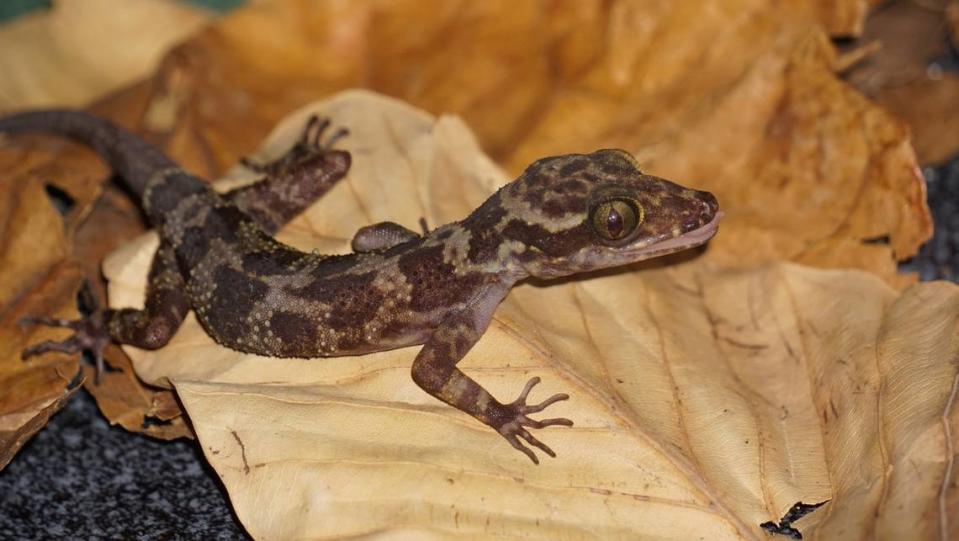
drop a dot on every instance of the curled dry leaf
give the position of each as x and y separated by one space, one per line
843 19
905 73
37 277
707 400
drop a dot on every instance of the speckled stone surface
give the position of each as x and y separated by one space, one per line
938 259
80 478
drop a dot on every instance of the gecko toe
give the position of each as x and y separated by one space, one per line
536 443
89 334
70 345
313 142
546 403
511 436
30 321
340 133
556 421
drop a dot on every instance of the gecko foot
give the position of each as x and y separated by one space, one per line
310 144
515 419
89 332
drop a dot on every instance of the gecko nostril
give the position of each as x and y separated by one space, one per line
709 203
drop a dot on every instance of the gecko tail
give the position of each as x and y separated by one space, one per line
135 160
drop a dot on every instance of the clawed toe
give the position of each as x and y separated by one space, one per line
546 403
311 143
90 334
255 166
48 321
313 134
539 445
70 345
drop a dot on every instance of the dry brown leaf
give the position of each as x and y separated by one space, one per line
739 97
845 18
952 17
902 74
706 400
808 168
33 391
929 106
37 277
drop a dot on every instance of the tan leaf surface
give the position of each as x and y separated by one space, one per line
81 49
706 400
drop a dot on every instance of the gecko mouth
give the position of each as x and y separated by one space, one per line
689 239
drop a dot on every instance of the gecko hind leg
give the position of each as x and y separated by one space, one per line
165 307
89 332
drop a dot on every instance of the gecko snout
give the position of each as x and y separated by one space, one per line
702 213
708 204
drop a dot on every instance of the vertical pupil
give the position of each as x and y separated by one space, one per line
614 223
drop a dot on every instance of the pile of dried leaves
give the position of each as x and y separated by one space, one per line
789 362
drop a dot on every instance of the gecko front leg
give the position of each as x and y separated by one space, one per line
384 235
435 371
381 236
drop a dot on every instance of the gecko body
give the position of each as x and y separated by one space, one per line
564 215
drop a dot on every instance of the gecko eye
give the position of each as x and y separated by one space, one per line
616 218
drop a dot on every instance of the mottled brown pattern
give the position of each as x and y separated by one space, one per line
221 223
484 240
167 303
257 295
573 166
297 333
435 282
335 290
280 261
168 191
236 295
554 245
350 300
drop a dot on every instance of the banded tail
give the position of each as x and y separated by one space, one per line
135 160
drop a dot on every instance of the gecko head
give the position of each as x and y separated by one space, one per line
582 212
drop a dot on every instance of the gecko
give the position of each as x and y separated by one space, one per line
562 216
